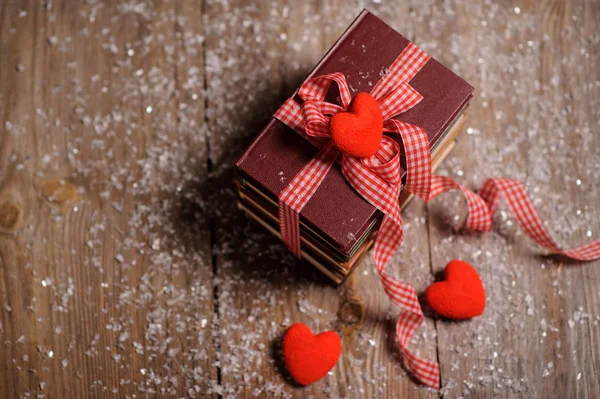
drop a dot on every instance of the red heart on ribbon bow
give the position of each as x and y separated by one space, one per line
309 357
460 296
358 132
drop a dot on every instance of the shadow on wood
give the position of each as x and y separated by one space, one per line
212 201
277 355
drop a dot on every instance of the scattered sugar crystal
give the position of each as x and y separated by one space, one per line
156 182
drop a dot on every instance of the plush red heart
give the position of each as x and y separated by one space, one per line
309 357
460 296
358 132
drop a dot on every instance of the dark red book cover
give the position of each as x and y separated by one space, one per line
336 211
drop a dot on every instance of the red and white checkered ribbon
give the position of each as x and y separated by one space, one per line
377 179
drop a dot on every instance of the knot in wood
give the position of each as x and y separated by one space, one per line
351 312
59 191
10 214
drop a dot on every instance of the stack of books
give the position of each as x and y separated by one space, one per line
337 226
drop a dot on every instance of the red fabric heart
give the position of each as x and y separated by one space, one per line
358 132
309 357
460 296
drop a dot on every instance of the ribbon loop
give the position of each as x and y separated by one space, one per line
386 162
316 124
316 88
418 157
326 108
375 189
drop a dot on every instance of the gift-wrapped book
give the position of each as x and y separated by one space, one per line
337 226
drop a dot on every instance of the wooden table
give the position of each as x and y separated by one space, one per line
127 271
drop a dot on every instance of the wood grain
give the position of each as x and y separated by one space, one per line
527 344
127 271
109 294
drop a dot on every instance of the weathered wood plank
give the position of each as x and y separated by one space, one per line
109 292
527 342
244 55
262 290
579 309
373 367
242 72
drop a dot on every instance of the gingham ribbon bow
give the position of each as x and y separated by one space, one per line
377 179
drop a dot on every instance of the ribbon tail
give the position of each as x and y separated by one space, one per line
483 206
411 317
528 218
479 217
389 238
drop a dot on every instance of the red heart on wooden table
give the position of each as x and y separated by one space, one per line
460 296
309 357
358 132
